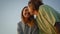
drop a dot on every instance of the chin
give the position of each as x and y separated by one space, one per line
26 17
31 13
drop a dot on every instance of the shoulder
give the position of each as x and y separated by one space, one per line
44 7
19 23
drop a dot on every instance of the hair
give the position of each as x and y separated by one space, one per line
23 11
22 16
31 16
35 4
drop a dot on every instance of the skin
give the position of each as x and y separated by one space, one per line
26 13
32 12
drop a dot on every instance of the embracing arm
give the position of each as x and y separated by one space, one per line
50 13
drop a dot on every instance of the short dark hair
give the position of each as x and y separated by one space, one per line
35 4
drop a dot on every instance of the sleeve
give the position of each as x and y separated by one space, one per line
56 14
46 19
49 13
19 29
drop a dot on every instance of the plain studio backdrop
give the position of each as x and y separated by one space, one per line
10 13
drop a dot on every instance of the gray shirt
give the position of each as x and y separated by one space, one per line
25 29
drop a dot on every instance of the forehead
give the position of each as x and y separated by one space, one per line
31 6
26 9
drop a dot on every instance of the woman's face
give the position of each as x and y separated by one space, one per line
26 13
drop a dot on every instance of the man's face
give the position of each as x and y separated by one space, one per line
31 10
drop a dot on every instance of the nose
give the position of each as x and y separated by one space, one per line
29 13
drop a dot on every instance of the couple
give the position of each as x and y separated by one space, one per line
45 21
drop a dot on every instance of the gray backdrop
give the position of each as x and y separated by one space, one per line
10 11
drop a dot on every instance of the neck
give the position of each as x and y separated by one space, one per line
26 19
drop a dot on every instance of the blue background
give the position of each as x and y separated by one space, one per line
10 13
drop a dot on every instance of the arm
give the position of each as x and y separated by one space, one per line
19 29
46 19
51 14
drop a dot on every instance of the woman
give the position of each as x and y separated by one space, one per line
27 24
46 16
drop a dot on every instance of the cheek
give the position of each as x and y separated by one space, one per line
23 13
30 10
